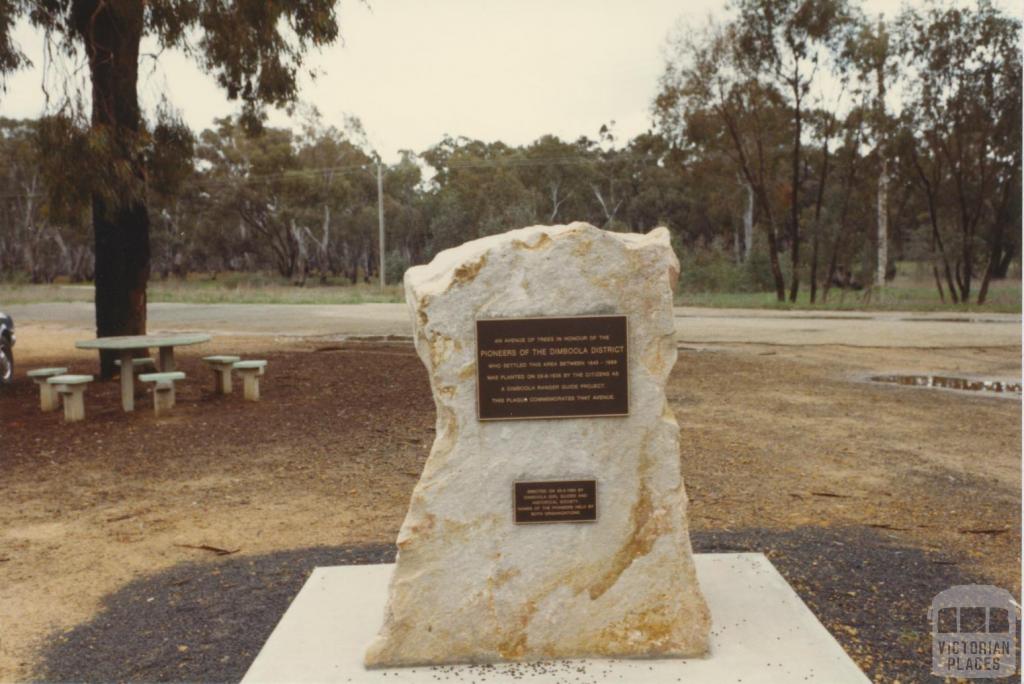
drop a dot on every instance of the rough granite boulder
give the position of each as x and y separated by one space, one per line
469 585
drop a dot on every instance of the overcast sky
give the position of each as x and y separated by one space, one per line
413 70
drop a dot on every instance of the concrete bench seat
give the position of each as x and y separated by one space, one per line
47 392
163 389
71 389
251 372
221 366
141 362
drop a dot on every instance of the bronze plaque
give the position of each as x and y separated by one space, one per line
552 367
555 501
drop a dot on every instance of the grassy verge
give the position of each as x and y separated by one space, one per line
18 293
177 291
1004 297
226 291
240 288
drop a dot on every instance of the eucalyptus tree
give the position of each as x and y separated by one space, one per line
476 191
789 45
664 187
255 176
874 56
405 209
300 200
334 184
608 174
23 230
709 105
557 172
169 168
253 49
824 125
963 135
846 200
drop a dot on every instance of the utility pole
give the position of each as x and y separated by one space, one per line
380 219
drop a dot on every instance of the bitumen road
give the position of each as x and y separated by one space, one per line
695 326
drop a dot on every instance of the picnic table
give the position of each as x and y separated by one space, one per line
129 344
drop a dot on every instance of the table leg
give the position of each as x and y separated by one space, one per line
127 381
166 359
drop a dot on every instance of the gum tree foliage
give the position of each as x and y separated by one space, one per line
962 137
406 214
41 236
561 190
666 189
749 90
32 232
712 108
790 44
717 169
45 223
874 57
939 175
253 49
846 203
476 191
304 203
252 177
482 188
338 195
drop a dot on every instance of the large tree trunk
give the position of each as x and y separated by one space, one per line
111 31
794 234
883 177
773 253
818 203
938 249
998 238
773 245
938 283
814 263
1004 247
1003 268
737 252
748 223
883 222
986 280
762 196
965 266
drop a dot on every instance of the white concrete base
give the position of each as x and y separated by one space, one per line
760 632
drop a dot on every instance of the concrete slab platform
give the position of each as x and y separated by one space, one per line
761 632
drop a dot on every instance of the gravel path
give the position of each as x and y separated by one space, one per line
207 621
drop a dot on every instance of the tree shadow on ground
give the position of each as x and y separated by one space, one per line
196 622
207 621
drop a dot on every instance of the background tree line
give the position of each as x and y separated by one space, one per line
798 144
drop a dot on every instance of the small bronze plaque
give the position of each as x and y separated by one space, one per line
552 367
555 501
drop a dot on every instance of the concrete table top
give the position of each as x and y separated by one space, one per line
143 341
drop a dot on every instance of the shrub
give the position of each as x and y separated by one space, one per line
713 269
395 265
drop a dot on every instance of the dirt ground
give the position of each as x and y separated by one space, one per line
774 437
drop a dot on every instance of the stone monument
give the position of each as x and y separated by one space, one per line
550 518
